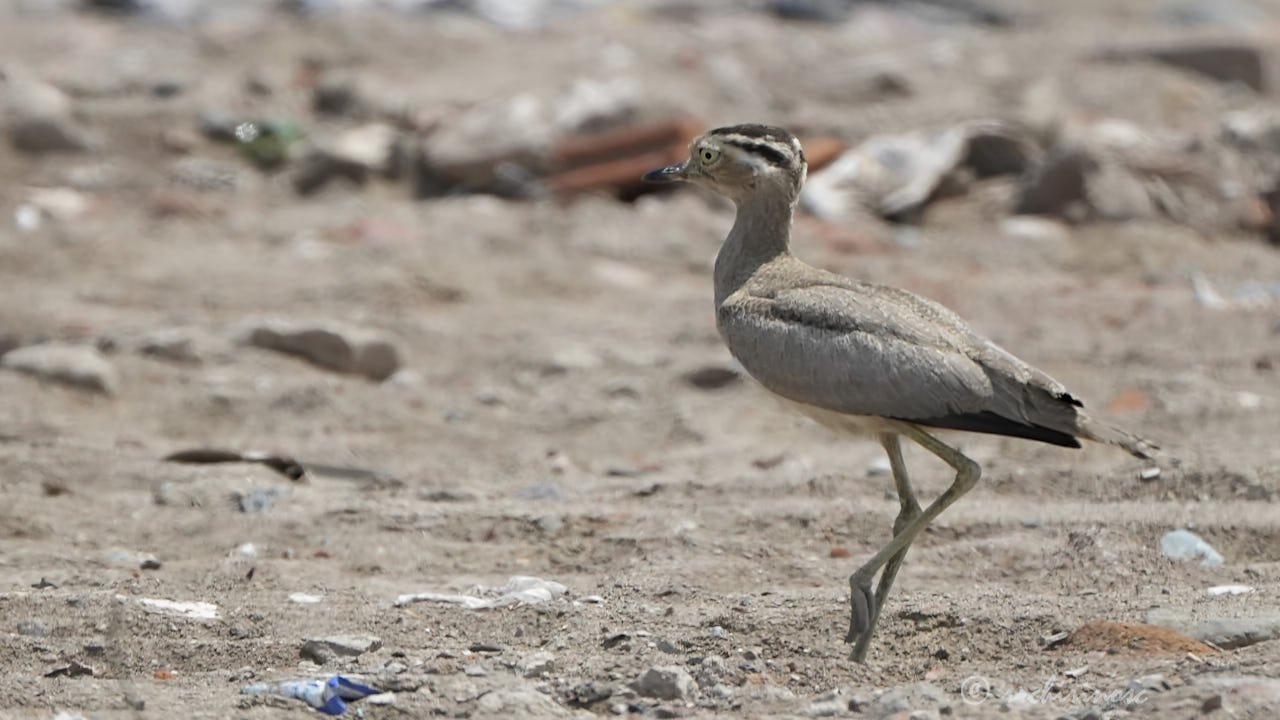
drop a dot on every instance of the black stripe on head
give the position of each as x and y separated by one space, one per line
769 137
756 130
767 151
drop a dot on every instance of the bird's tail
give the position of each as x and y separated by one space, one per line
1138 447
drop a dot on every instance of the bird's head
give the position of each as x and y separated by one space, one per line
741 161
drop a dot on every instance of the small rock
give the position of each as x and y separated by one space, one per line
257 500
889 703
544 490
149 562
386 698
712 377
1055 185
203 175
1231 633
344 349
32 628
39 116
1240 63
304 598
537 664
354 155
1211 703
826 708
518 702
174 344
666 683
1186 545
711 671
549 524
893 175
589 693
79 366
475 670
323 649
217 125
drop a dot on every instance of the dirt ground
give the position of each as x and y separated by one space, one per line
543 426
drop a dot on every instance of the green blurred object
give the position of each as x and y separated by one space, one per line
267 144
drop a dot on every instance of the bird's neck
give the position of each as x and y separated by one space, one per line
761 233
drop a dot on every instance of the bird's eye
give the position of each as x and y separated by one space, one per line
709 155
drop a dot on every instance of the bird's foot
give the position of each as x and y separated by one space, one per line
862 602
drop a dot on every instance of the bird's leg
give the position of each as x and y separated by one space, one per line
909 511
967 474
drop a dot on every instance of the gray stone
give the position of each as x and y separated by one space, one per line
666 683
79 366
323 649
173 344
1056 184
345 349
39 116
518 702
32 628
1231 633
537 664
355 155
1240 63
889 703
711 671
1186 545
712 377
827 708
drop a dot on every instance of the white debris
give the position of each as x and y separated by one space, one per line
1186 545
1221 590
193 610
519 590
304 599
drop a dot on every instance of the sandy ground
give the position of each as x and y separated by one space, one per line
542 425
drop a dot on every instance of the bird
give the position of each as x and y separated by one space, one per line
859 357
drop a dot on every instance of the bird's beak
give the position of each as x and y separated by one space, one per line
671 173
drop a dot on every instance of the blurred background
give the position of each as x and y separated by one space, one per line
404 244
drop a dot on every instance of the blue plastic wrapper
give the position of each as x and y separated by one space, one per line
327 696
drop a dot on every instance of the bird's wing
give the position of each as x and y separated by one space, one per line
865 349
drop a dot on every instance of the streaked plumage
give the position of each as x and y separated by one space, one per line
858 356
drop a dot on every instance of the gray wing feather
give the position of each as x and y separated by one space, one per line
865 349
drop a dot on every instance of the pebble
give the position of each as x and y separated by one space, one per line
173 344
549 524
204 175
324 649
1055 184
537 664
256 500
386 698
826 708
889 703
79 366
712 377
544 490
345 349
1231 633
711 670
518 702
32 628
475 670
588 693
665 683
1186 545
1228 590
40 116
